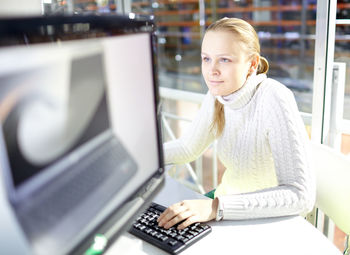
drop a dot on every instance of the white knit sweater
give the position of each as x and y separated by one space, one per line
264 147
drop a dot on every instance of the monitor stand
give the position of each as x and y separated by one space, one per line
121 221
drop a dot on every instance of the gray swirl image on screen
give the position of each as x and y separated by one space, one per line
42 127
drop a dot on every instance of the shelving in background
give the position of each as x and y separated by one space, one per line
286 29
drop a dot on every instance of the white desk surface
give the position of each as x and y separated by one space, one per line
284 235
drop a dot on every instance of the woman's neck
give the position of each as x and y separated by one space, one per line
242 96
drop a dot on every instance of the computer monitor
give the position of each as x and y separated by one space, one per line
74 89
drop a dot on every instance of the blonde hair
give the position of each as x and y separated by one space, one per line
249 40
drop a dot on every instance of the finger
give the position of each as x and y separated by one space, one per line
170 213
189 221
166 215
162 215
178 218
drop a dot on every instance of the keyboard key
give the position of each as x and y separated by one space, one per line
180 238
199 230
172 234
164 238
189 236
153 233
148 230
172 243
159 235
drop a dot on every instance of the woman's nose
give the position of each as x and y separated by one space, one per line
214 70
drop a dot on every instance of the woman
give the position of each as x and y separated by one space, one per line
262 140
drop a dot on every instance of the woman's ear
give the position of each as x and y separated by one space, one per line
254 63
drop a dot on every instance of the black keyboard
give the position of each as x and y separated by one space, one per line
170 240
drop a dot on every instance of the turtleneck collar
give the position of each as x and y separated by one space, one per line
241 97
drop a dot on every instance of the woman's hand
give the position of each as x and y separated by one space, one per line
189 211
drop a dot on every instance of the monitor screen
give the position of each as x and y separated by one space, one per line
46 120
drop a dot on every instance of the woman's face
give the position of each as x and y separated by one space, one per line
225 65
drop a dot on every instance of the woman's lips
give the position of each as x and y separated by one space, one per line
216 82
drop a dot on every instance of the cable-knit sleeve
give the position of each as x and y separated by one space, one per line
196 137
289 144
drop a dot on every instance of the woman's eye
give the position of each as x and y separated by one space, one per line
224 60
205 59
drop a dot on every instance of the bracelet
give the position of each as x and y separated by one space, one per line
220 211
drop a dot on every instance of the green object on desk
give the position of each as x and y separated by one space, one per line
210 194
100 242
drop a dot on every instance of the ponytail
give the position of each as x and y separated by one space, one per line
218 123
263 66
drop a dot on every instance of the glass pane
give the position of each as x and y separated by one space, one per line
342 55
179 39
286 29
79 6
342 48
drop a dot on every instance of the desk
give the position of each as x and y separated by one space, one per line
284 235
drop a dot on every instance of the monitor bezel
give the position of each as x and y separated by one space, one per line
14 27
